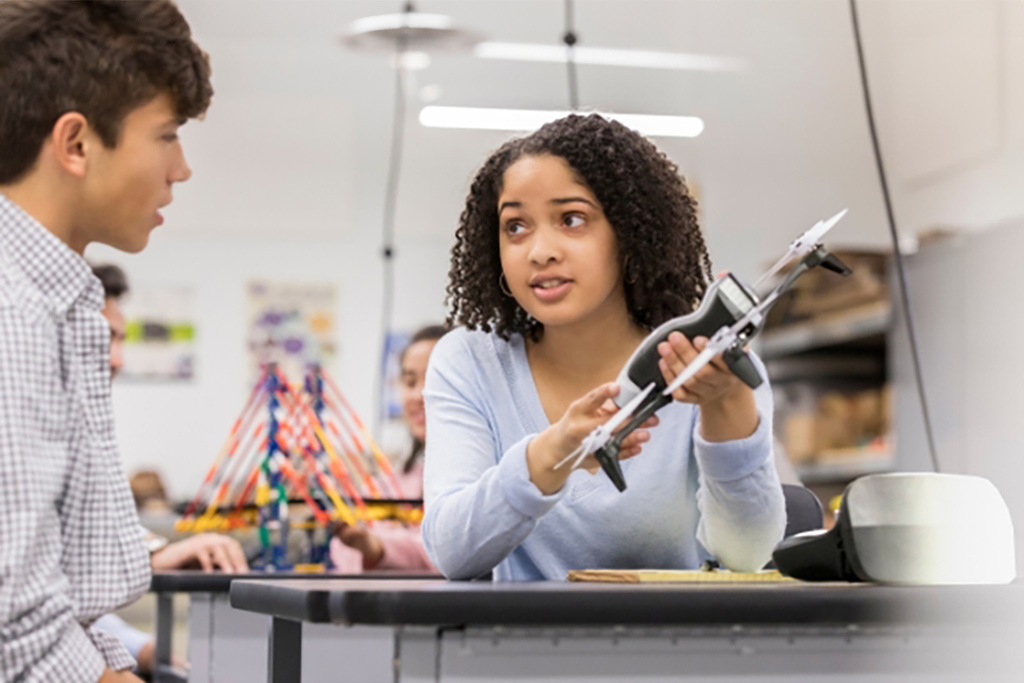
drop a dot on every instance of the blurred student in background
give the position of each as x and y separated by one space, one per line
209 552
392 545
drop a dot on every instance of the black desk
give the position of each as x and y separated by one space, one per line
207 587
884 629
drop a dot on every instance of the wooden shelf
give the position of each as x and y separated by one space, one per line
830 330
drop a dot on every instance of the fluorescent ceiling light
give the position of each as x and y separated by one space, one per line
479 118
646 59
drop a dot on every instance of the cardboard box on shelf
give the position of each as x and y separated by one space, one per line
820 292
799 437
836 294
841 423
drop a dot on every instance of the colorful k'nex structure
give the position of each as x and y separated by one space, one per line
297 458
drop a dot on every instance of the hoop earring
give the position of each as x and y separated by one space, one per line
625 273
503 285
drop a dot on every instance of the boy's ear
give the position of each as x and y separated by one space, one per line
71 138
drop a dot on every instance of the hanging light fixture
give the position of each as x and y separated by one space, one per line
410 37
409 31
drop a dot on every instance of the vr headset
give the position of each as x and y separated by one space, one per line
909 528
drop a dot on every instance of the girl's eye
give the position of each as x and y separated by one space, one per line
170 137
574 220
514 228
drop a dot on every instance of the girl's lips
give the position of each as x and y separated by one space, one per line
552 294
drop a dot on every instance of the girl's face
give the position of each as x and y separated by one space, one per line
558 250
414 372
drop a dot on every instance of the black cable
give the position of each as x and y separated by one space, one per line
900 267
390 207
570 40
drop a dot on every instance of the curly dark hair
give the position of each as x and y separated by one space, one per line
662 256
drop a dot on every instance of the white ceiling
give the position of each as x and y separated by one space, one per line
296 141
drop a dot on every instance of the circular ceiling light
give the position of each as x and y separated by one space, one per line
409 31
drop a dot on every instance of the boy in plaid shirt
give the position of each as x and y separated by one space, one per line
93 96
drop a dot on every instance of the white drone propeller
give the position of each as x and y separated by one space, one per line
803 245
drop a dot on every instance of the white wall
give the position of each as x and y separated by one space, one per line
948 80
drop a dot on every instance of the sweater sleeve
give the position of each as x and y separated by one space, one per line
480 503
743 512
403 549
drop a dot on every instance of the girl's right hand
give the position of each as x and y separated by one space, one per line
556 442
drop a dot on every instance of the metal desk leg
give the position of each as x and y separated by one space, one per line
285 651
163 671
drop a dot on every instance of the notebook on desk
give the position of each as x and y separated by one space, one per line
675 576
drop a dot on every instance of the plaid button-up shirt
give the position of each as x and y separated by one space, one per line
71 547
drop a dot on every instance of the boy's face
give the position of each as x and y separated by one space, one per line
124 187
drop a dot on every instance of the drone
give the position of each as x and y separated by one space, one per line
729 315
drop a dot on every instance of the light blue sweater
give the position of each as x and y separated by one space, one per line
687 499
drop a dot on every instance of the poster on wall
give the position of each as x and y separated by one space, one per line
160 333
291 324
391 374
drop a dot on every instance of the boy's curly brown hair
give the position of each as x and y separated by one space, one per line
662 256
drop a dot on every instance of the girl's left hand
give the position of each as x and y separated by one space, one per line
712 383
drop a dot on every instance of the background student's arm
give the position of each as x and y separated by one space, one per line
383 547
209 552
402 548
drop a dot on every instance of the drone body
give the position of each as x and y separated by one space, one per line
725 302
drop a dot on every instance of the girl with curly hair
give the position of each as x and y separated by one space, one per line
575 242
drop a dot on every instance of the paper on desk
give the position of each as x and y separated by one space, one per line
676 576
